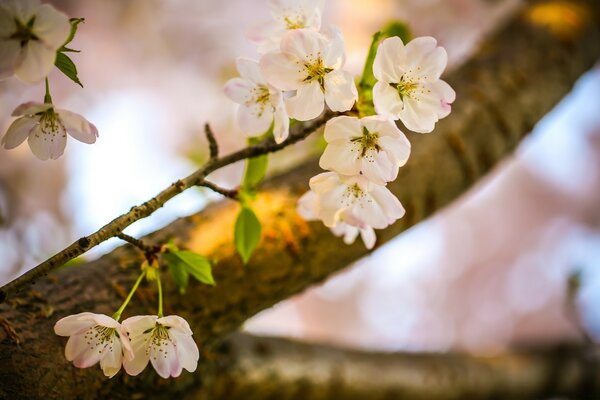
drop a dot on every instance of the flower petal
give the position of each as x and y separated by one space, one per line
239 90
74 324
386 66
340 91
378 167
133 366
397 148
387 100
18 131
165 362
31 108
250 69
282 71
35 62
343 127
187 350
339 157
112 358
424 59
9 53
307 104
254 120
51 26
176 322
136 325
335 56
304 44
76 345
78 127
307 206
47 145
368 237
281 126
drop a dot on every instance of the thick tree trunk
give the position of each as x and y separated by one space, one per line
516 77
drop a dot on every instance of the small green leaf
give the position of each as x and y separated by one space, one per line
196 265
67 67
247 233
178 270
256 169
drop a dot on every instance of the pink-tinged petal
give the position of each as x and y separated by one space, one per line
307 104
9 53
89 356
397 148
340 91
112 358
78 127
105 320
282 71
339 157
424 59
281 124
342 128
125 343
187 350
386 66
304 44
307 206
176 322
239 90
165 362
348 232
138 324
18 131
31 108
387 100
335 56
51 26
46 146
133 366
250 69
254 120
368 237
76 345
74 324
35 62
441 90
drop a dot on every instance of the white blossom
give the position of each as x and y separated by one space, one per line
310 63
409 86
307 208
95 338
166 342
287 15
46 128
354 200
372 146
30 35
260 103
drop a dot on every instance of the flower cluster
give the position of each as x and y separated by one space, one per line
165 342
32 36
301 71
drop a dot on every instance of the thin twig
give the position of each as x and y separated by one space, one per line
298 133
212 142
137 243
229 193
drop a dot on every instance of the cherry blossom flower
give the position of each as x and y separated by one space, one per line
166 342
307 208
409 86
93 338
46 128
287 15
372 146
260 103
310 63
30 35
354 200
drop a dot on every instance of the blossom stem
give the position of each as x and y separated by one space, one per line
47 97
160 296
117 315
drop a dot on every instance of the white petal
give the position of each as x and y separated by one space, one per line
368 237
18 131
250 69
267 35
51 26
387 100
281 127
390 205
386 66
187 350
31 108
420 115
342 128
112 358
378 167
307 205
340 91
335 56
339 157
89 356
23 10
239 90
35 62
76 345
282 71
446 94
9 53
133 366
304 44
397 148
176 322
7 24
136 325
78 127
424 59
307 104
324 182
254 121
74 324
166 363
46 145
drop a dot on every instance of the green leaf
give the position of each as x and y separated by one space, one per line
180 275
67 67
256 169
247 233
197 265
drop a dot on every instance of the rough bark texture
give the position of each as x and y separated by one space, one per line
516 77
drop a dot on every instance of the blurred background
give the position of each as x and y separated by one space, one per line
489 272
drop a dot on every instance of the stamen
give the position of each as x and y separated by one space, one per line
368 141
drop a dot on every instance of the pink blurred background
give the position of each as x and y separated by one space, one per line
486 273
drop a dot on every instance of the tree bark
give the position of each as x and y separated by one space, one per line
515 78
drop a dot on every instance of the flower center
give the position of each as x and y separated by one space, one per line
260 97
405 87
352 194
293 22
99 336
159 340
368 141
51 125
24 32
316 71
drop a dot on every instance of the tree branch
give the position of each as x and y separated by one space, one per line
519 74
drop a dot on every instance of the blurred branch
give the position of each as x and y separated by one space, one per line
519 74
